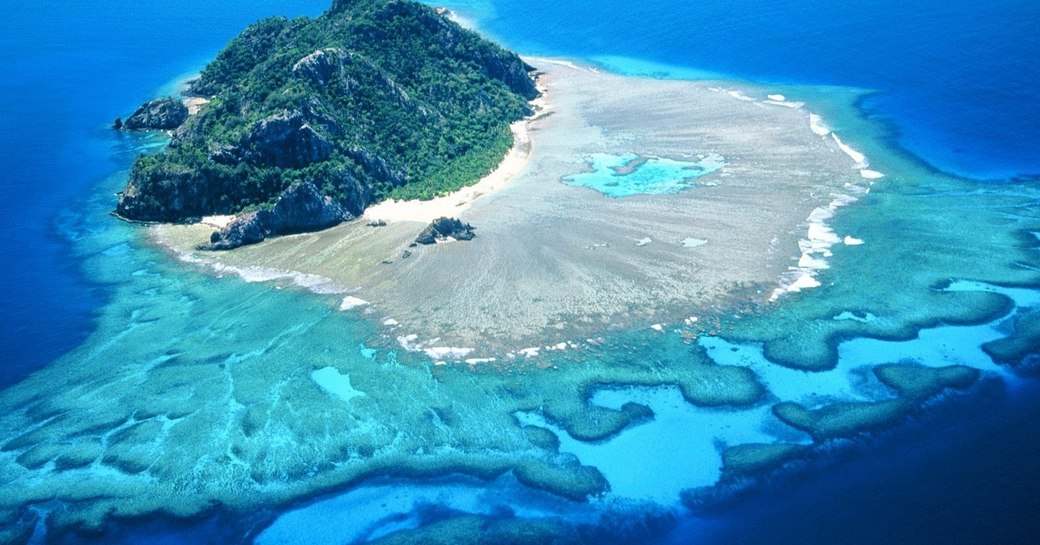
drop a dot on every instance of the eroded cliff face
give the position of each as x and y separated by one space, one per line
309 121
159 114
300 208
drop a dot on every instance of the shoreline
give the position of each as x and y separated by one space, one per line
458 201
628 256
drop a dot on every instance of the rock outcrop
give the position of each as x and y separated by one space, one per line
286 140
299 209
165 113
377 167
324 66
445 228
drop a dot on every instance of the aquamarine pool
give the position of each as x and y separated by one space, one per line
630 174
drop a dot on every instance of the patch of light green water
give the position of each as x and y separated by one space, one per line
630 174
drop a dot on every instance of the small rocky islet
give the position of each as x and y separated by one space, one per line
309 121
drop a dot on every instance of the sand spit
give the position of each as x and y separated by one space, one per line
554 262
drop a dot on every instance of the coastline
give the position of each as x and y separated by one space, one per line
457 202
554 266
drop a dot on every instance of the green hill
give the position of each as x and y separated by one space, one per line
373 99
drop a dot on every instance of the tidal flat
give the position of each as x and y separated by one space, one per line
554 263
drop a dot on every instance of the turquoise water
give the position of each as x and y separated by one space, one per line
626 175
140 385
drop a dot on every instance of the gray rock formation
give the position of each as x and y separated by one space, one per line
165 113
323 66
299 209
444 228
377 167
286 140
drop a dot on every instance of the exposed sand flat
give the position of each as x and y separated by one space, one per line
553 262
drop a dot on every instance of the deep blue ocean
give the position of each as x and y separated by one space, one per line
955 81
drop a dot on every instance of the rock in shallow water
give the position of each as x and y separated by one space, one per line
165 113
443 228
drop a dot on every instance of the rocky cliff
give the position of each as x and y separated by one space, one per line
298 209
159 114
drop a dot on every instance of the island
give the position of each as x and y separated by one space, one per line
306 122
602 202
625 297
624 203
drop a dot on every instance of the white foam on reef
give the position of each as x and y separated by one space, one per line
859 158
693 242
681 443
444 353
817 126
314 283
776 98
530 352
351 302
815 248
644 241
438 354
740 96
820 237
784 103
336 383
804 282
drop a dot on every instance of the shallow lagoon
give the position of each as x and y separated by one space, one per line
626 175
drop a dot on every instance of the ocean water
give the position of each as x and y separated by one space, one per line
71 68
938 86
955 79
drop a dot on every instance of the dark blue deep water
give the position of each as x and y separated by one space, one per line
955 80
69 69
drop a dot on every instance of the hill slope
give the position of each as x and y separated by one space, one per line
374 98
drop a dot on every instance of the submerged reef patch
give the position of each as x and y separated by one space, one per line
1019 349
485 531
923 232
755 457
914 384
